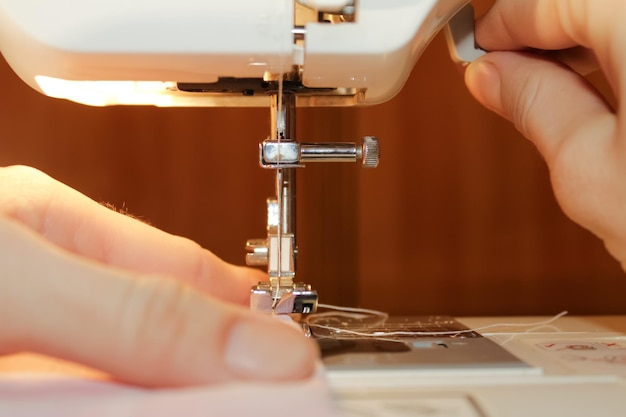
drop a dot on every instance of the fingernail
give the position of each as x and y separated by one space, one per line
483 81
262 348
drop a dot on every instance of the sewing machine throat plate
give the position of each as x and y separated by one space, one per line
407 342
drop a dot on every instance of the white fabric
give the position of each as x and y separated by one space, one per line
34 395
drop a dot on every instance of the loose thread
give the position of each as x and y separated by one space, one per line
364 311
359 313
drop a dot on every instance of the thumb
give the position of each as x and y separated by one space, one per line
548 103
144 330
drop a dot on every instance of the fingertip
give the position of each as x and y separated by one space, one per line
263 348
483 80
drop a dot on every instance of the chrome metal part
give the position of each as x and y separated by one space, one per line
370 152
278 251
297 298
282 248
257 252
274 154
281 152
328 152
299 33
283 122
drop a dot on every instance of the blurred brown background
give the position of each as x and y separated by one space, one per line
458 219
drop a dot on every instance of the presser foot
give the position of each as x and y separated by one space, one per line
297 298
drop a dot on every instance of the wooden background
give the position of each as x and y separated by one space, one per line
458 219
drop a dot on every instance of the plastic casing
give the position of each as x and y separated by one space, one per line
200 40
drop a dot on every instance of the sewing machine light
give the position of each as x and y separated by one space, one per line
107 93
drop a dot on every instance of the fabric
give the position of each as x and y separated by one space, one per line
33 395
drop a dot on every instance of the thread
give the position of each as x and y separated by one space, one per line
280 129
360 313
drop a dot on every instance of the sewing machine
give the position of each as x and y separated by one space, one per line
278 54
283 54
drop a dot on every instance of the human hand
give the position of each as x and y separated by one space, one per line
84 283
581 137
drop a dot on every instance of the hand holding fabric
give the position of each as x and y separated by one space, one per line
84 283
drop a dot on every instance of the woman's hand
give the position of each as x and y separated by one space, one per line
84 283
532 78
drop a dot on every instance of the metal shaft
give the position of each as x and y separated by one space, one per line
283 127
329 152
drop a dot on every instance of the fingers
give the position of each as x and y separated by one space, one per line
579 134
580 60
559 25
573 128
80 225
548 103
541 24
143 330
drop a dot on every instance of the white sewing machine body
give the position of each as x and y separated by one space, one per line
138 52
576 368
